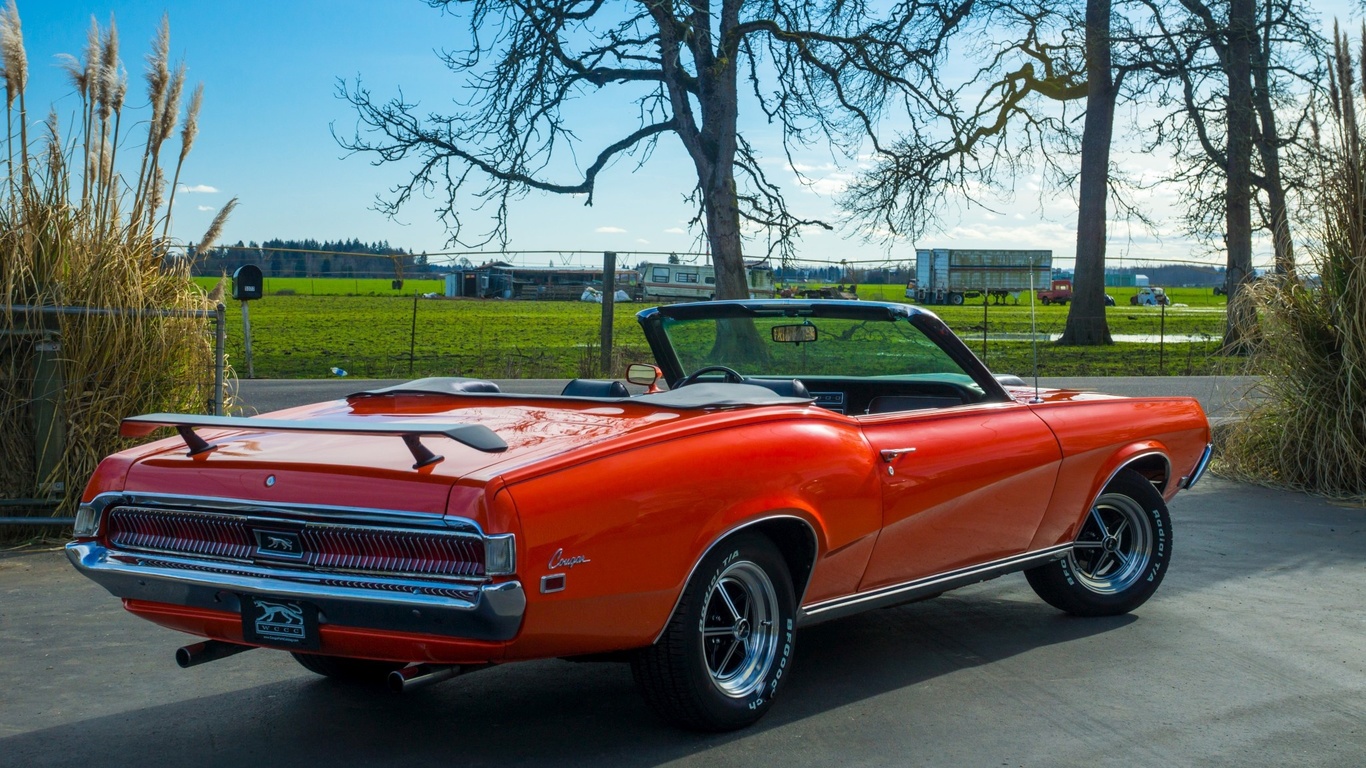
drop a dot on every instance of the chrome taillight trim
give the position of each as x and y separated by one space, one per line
310 512
317 520
87 521
500 555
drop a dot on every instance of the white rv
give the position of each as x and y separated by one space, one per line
697 282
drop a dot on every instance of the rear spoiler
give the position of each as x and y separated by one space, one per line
476 436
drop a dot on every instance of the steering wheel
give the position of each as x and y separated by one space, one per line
731 374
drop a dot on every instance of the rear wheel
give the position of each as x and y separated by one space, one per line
1119 557
366 671
956 299
724 653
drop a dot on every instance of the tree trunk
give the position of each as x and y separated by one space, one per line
723 234
1268 142
737 340
1086 318
1238 192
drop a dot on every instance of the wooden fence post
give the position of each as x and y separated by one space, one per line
609 289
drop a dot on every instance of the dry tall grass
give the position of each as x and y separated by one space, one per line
1310 432
74 233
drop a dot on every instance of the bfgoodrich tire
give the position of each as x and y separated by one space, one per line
365 671
727 648
1119 557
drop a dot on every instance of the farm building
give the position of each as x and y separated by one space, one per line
506 281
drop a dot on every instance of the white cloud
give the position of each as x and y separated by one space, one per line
675 231
205 188
806 168
206 207
833 184
642 241
610 231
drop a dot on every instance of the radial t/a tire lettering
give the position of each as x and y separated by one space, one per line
1120 555
728 646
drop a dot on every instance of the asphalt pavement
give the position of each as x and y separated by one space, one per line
1252 653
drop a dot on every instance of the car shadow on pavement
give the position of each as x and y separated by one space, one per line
548 712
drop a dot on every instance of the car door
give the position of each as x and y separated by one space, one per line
960 486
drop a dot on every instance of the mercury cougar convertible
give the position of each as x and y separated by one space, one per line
809 460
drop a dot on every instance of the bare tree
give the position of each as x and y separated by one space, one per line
1056 62
819 71
968 140
1086 324
1235 73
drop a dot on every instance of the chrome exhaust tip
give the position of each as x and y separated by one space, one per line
418 676
207 651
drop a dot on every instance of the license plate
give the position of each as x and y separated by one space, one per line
281 623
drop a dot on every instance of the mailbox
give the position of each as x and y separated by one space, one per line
247 283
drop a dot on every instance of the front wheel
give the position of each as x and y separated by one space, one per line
728 645
1119 557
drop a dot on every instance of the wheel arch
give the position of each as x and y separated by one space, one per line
1149 460
795 538
1153 465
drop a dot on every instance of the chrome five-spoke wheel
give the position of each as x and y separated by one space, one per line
727 647
1114 547
1119 556
739 639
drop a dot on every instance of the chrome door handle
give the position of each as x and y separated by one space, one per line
890 455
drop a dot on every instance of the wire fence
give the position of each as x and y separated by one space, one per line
61 401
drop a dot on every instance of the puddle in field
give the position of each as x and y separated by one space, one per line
1132 338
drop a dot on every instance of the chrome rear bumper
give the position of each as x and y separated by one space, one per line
490 612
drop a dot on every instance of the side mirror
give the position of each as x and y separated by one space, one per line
645 375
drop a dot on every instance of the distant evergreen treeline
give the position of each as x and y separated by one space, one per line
1169 275
312 258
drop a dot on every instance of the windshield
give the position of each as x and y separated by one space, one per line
804 347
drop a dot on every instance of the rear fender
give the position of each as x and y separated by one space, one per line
610 543
800 551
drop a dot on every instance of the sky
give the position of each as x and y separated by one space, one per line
270 72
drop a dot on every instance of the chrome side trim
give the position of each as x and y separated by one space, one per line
815 549
478 612
894 594
1200 467
312 512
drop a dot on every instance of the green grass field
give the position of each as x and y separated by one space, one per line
304 335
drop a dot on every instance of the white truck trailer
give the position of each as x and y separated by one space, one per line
947 276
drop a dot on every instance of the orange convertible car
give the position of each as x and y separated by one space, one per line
809 460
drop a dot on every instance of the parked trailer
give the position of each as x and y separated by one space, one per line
697 282
947 276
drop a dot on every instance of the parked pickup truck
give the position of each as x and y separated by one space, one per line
1059 293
